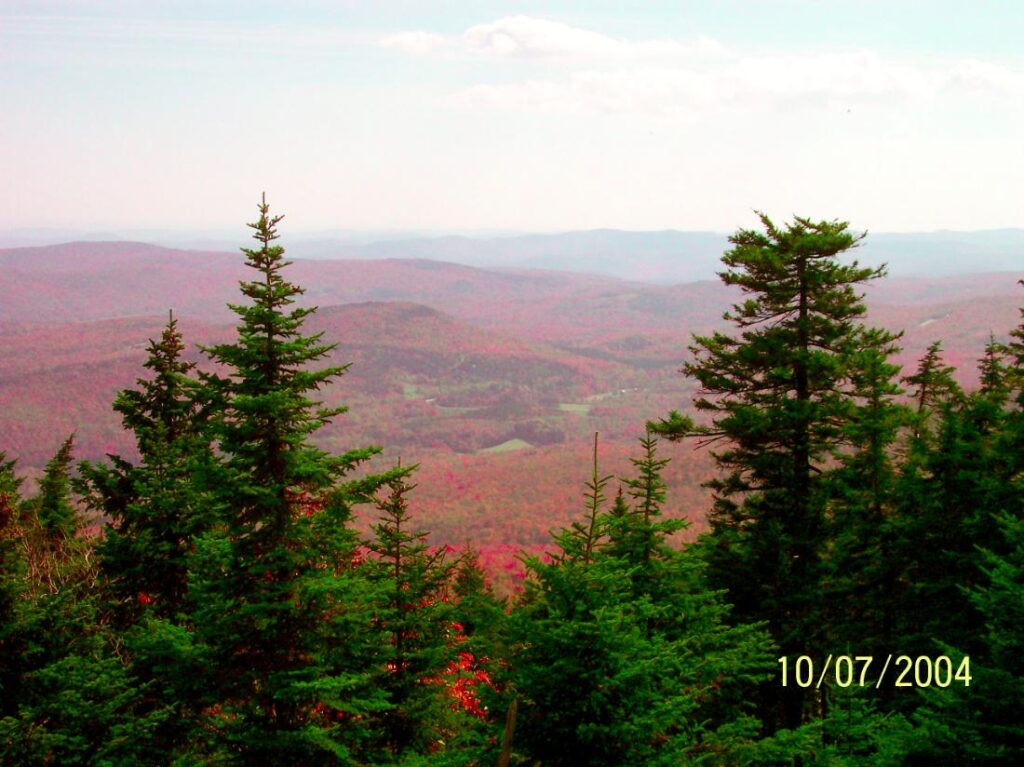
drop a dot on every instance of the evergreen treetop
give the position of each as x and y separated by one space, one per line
279 604
52 505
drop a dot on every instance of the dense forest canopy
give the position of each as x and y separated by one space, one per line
856 599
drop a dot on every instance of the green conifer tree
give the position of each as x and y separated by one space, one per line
931 386
994 372
587 534
478 611
66 695
52 506
280 607
943 497
158 506
780 397
12 573
627 658
862 574
976 719
414 623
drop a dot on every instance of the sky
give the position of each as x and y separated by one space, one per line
897 115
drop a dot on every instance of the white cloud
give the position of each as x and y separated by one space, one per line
982 77
529 37
746 84
593 73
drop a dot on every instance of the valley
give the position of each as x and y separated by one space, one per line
494 382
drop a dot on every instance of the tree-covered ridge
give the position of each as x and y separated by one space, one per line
230 613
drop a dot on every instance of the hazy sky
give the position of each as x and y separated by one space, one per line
512 116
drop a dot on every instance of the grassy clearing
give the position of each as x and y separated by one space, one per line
444 410
575 407
508 446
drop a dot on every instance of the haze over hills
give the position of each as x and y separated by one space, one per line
666 256
482 375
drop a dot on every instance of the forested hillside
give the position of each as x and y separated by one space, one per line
291 538
481 377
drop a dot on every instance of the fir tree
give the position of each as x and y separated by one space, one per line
52 506
12 573
780 397
627 658
414 622
976 719
587 534
862 573
994 372
478 611
158 506
638 537
951 486
480 623
1016 346
280 606
931 386
66 695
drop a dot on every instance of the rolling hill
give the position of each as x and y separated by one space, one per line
493 380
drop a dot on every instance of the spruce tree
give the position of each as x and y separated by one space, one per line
414 623
931 386
12 573
478 611
280 606
779 394
158 505
994 372
586 534
862 575
627 657
949 484
979 723
1015 353
52 506
641 528
66 694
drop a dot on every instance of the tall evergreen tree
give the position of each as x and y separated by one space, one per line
626 657
1016 349
780 397
158 505
414 622
277 595
862 569
12 573
945 495
641 528
478 611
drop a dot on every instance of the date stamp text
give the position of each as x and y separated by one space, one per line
872 671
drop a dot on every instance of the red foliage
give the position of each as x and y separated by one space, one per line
463 677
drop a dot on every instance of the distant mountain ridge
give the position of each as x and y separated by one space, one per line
668 256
